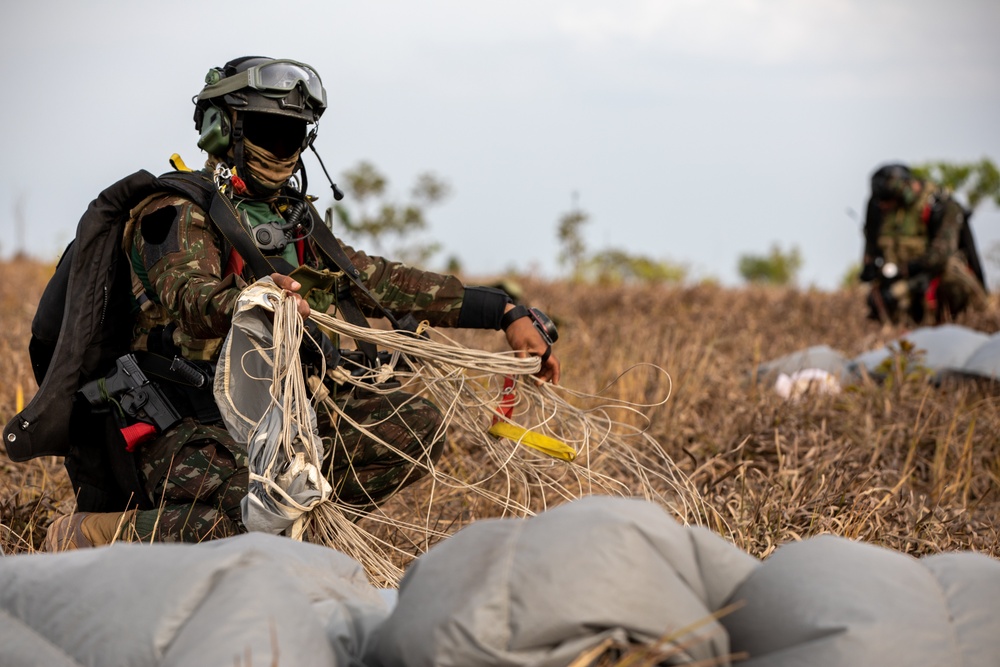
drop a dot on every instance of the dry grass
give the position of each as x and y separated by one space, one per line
903 464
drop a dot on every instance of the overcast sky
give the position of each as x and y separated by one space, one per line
693 131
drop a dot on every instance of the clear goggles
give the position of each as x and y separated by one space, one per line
275 78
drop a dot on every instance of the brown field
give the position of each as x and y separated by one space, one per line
903 464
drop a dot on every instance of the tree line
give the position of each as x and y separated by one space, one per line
394 226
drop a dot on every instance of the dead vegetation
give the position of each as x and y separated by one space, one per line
903 464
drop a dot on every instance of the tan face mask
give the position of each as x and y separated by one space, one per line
267 171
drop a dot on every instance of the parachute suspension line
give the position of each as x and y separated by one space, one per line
479 475
299 447
614 454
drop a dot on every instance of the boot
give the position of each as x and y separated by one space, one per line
85 529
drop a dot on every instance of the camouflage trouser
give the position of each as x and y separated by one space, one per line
198 475
922 300
365 471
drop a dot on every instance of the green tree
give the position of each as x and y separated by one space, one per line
618 266
382 223
573 250
776 268
611 265
976 181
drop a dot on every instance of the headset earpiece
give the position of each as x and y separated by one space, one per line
216 131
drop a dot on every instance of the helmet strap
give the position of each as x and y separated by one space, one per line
303 179
237 137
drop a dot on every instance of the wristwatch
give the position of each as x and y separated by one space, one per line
515 313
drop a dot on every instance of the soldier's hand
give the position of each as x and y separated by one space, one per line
523 337
292 286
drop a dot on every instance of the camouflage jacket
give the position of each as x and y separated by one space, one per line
187 288
926 233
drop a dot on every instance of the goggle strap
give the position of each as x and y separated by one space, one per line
242 80
230 84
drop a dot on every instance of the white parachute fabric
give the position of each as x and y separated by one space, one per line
261 394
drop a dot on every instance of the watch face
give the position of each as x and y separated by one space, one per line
545 326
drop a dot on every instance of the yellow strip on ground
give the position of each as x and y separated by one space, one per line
543 443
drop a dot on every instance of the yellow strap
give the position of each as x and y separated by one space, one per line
543 443
177 163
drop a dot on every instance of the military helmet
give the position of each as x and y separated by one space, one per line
893 182
252 85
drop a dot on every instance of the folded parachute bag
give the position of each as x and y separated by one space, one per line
941 349
820 357
985 361
542 590
831 602
252 599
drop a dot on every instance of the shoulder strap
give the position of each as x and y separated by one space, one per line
227 220
330 246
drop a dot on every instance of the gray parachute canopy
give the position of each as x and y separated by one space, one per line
948 350
284 453
503 592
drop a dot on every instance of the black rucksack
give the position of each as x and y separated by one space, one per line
76 335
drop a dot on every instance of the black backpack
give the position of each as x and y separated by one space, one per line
76 335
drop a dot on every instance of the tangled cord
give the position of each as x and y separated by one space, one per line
614 456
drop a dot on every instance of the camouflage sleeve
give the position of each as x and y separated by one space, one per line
945 242
402 289
180 252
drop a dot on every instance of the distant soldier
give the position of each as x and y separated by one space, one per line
920 255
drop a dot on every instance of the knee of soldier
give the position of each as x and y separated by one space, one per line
207 467
425 421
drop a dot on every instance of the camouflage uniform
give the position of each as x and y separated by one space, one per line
922 239
197 473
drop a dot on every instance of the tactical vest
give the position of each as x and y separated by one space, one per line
904 234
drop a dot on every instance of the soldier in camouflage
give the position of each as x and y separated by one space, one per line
254 117
915 257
